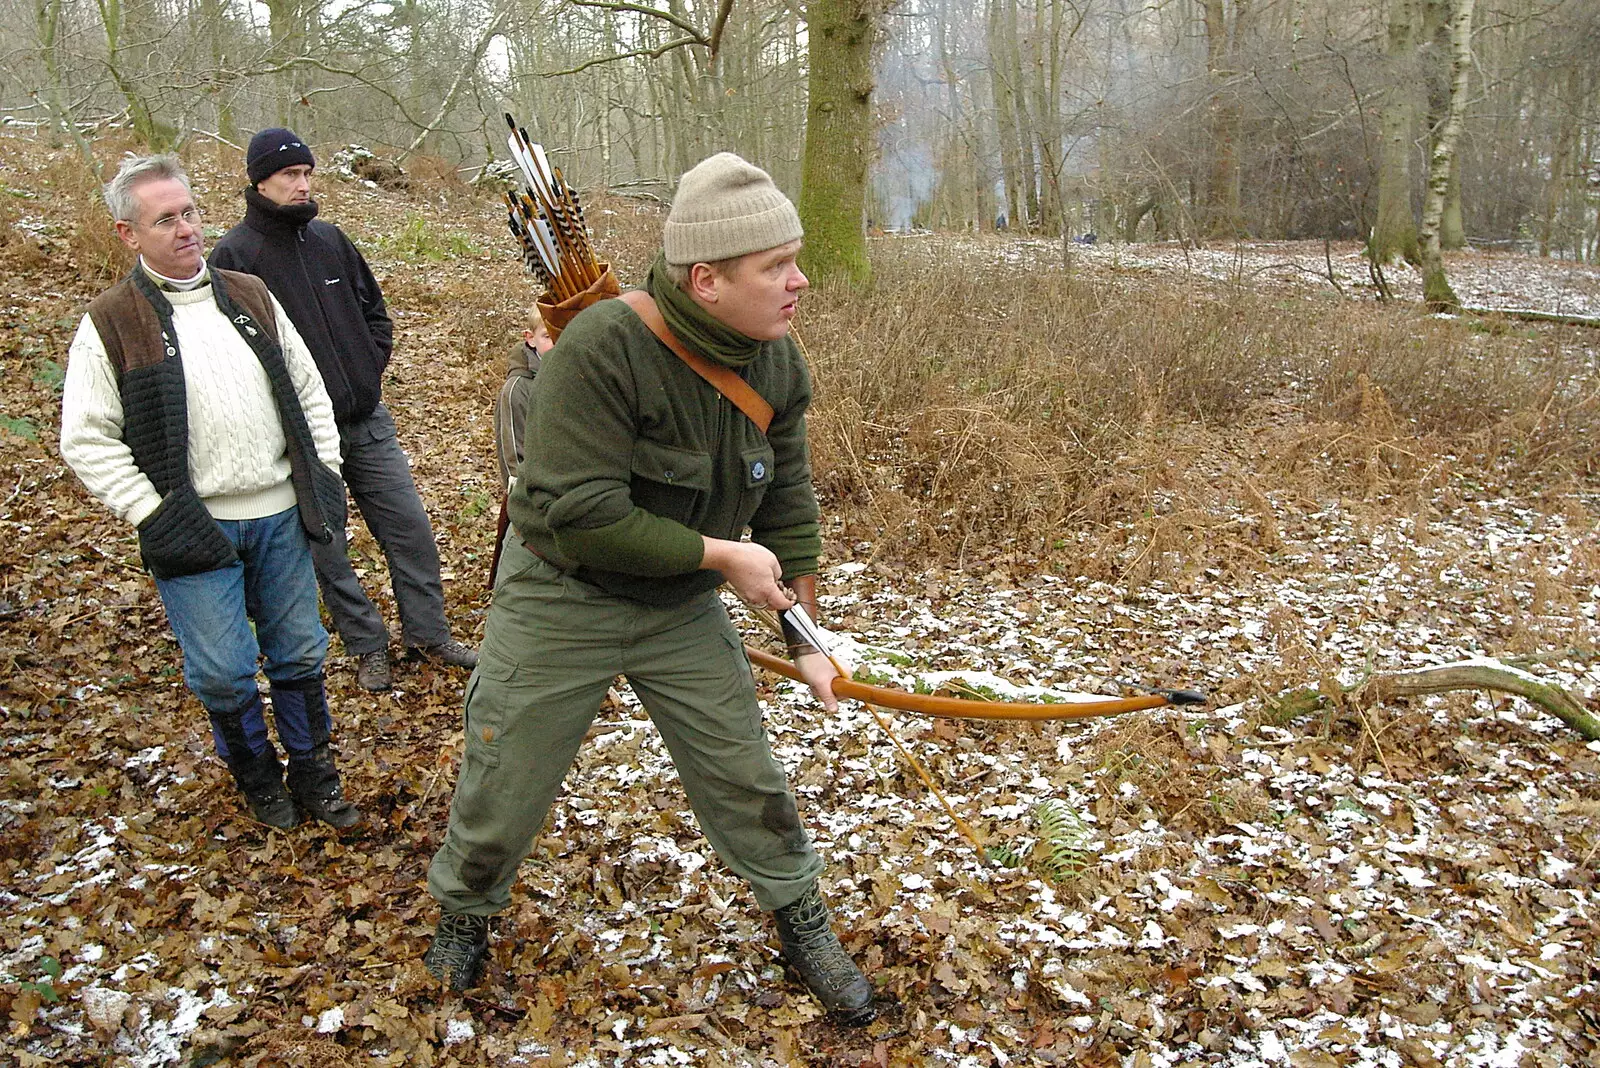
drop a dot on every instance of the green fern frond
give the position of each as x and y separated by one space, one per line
1004 856
1063 853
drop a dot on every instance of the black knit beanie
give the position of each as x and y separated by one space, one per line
272 150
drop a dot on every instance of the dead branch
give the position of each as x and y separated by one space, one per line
1478 674
1552 656
654 12
213 135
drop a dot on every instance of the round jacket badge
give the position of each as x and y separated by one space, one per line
758 471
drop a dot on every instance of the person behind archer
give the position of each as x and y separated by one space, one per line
639 480
332 297
192 409
511 419
511 406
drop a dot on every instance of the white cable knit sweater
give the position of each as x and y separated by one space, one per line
238 459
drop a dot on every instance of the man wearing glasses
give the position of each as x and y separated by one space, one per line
329 292
192 409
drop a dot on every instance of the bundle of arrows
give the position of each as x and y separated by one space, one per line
546 216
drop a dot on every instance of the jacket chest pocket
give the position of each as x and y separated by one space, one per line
670 482
758 476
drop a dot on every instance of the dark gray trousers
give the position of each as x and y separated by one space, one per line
379 476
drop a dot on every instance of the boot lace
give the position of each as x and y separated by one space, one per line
458 942
810 943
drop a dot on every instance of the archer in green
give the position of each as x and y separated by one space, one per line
639 479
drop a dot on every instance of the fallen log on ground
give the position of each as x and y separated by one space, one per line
1482 673
1533 315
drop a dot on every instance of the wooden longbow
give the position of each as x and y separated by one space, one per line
923 704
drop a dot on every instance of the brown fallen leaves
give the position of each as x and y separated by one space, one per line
1416 878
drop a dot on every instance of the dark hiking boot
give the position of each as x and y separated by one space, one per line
460 944
260 778
373 671
262 783
314 784
451 652
812 950
275 809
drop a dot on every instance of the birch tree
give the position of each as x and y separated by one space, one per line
1436 289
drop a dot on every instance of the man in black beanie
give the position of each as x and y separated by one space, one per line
334 301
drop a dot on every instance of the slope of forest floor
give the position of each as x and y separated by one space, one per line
1373 884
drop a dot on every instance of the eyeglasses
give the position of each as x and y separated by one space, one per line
168 223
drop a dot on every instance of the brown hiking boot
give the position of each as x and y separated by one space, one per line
373 671
452 652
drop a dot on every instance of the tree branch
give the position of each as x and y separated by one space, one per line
644 9
648 53
1533 315
717 27
489 33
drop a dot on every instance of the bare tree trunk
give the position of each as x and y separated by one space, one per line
1436 289
1395 231
1045 60
47 16
1003 92
1452 229
833 183
1563 167
145 127
1027 170
286 24
1435 56
214 23
1221 208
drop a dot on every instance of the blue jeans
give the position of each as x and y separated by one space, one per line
274 586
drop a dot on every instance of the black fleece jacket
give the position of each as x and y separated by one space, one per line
325 285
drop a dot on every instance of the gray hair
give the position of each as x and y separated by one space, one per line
135 170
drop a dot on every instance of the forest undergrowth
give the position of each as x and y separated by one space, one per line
1043 479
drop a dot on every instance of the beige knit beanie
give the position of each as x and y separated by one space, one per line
727 207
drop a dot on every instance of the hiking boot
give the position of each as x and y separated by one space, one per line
259 777
274 808
451 652
373 671
460 944
812 950
314 783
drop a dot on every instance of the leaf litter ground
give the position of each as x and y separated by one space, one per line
1404 884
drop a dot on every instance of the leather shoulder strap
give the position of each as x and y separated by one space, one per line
722 379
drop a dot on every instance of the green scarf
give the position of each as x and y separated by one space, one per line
695 326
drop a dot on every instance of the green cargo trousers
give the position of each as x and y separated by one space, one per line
552 646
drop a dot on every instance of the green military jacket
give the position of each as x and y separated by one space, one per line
630 456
